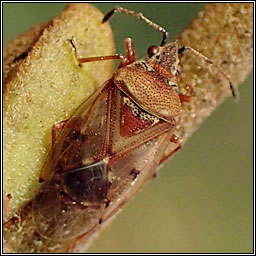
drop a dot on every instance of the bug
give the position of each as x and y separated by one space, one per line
114 142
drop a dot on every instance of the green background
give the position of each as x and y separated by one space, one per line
202 201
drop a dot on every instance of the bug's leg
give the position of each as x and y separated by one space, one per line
130 53
234 91
125 60
56 128
190 93
138 16
187 97
98 58
174 139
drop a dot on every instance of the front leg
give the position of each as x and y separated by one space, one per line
130 53
124 60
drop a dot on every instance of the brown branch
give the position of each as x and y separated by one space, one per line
223 33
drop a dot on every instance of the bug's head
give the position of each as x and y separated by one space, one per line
166 56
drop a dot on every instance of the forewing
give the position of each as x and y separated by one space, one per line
129 172
84 137
111 130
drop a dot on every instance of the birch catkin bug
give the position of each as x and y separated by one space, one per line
114 142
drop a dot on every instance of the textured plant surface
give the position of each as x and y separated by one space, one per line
46 85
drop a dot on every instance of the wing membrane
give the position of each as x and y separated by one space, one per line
83 139
71 204
129 172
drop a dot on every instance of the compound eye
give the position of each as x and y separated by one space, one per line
153 50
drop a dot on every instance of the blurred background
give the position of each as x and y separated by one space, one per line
202 200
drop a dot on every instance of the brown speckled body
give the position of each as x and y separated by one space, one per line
112 144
